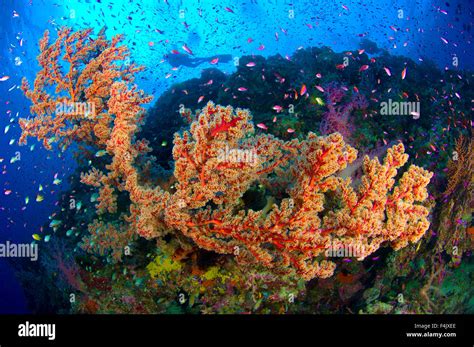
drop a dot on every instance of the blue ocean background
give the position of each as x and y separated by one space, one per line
152 29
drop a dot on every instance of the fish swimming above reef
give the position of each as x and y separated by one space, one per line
177 60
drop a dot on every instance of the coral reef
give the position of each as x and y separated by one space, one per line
204 206
238 218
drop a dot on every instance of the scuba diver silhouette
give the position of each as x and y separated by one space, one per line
176 60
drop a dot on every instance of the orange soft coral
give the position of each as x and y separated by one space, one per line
216 163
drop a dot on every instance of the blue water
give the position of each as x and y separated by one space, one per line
153 28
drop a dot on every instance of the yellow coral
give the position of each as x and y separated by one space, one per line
161 266
214 273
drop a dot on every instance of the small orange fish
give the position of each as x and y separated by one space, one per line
404 73
303 89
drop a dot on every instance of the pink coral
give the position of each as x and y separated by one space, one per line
336 119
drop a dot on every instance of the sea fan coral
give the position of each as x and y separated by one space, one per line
82 71
216 163
461 166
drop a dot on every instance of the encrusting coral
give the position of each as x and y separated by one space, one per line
216 162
